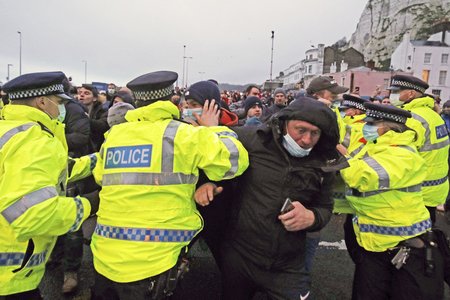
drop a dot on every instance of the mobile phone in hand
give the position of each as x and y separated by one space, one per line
287 206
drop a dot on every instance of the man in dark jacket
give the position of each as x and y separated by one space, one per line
265 250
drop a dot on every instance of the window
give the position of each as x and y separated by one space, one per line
343 81
444 58
409 58
309 69
427 58
442 77
386 83
436 92
425 75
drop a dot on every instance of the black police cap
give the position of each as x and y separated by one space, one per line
153 86
375 112
35 85
407 82
351 101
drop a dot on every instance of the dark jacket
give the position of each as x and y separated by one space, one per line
99 124
78 129
273 175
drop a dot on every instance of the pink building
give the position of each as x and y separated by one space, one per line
365 80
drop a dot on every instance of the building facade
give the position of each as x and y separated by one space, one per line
428 60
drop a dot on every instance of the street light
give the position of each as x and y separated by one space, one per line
20 52
85 70
187 69
184 63
9 65
271 56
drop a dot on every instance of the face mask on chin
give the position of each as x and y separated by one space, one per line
293 148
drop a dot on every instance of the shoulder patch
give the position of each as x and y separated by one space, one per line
441 131
128 157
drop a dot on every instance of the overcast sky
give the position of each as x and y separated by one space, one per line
228 40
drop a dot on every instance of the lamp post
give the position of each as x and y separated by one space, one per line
9 65
187 69
184 63
20 52
85 70
271 55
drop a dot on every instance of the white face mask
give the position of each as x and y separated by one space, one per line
394 98
293 148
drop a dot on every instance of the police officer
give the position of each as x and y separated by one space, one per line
391 222
408 92
148 169
33 159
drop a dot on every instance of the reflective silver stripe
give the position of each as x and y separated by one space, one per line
10 133
407 148
428 146
357 150
234 157
19 207
346 141
227 133
148 179
409 189
383 176
168 147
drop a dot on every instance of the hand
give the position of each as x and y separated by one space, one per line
297 219
94 200
341 149
205 193
210 114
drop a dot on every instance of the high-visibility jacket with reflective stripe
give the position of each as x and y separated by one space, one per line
433 146
354 143
384 182
32 178
148 168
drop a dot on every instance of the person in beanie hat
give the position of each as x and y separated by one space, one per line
408 92
116 114
279 102
148 168
287 156
253 111
196 96
122 97
384 186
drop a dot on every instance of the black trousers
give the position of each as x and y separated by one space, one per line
28 295
241 279
376 278
105 289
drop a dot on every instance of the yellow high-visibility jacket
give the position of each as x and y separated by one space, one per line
384 188
33 208
148 168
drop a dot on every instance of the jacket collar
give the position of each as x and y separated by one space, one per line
419 102
160 110
28 113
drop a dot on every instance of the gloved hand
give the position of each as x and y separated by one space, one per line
94 199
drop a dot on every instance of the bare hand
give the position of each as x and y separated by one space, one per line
341 149
297 219
210 114
205 193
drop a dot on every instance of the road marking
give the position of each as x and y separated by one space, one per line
333 245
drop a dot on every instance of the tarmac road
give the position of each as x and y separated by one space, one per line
332 274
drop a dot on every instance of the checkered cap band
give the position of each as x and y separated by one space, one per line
144 234
414 229
49 90
385 116
153 95
407 85
353 104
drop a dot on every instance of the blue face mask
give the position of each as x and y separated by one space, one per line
370 132
293 148
188 113
342 114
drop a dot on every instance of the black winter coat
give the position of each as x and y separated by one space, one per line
78 129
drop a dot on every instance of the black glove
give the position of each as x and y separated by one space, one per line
94 199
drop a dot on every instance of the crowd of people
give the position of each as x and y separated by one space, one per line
254 174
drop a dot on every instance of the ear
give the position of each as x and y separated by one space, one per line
40 102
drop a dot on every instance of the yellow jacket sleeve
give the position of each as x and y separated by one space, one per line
82 167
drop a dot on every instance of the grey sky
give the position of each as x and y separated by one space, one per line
228 40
